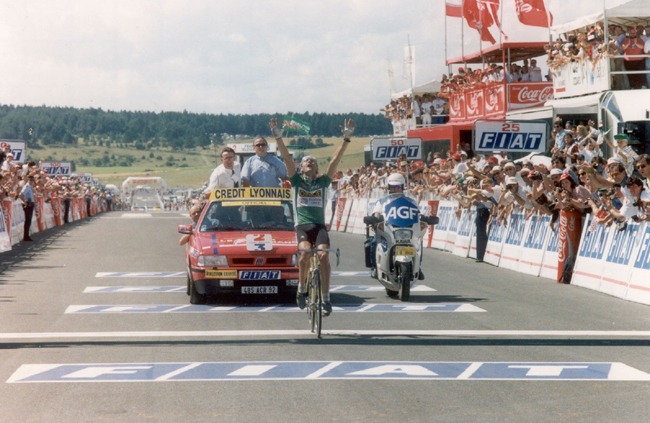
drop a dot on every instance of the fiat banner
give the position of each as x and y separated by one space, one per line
384 149
57 168
17 147
510 136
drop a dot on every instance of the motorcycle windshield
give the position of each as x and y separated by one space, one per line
401 213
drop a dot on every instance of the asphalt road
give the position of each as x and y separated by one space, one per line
475 343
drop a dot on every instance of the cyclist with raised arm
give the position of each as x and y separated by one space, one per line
310 200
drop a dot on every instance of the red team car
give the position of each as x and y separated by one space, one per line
244 243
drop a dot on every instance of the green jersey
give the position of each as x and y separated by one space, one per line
309 198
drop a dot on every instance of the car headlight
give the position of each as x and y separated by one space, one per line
212 261
403 235
294 260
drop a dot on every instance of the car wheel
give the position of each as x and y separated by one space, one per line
195 297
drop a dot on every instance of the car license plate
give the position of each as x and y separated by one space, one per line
405 251
220 274
259 289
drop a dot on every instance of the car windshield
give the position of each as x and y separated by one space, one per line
247 215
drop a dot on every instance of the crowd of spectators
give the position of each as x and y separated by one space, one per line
467 78
578 178
25 181
590 46
433 108
427 109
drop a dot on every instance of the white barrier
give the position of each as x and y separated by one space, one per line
463 238
534 244
5 240
13 233
49 216
445 215
17 222
615 262
638 288
346 214
609 261
549 262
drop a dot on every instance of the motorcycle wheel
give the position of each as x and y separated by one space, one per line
391 293
404 279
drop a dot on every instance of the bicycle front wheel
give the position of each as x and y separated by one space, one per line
315 303
311 306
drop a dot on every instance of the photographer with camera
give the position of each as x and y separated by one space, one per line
636 208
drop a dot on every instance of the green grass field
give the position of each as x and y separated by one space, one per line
188 168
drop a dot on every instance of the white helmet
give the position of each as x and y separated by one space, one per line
395 180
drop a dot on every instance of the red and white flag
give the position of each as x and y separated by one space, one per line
454 8
533 13
479 15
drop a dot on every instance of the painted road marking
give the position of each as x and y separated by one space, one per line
318 370
135 215
176 308
184 274
141 275
551 334
132 289
182 288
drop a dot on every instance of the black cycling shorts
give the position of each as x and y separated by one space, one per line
314 233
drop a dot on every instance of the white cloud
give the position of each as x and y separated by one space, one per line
218 56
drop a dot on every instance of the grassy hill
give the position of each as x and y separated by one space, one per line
178 168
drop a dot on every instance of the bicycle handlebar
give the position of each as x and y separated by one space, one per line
315 250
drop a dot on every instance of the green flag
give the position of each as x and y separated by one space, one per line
296 125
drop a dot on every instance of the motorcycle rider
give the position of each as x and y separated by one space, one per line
395 184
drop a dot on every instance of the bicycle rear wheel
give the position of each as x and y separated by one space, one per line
311 306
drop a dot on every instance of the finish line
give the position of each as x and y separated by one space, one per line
331 332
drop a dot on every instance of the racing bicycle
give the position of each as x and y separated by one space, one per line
315 288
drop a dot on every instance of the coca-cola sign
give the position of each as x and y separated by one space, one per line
475 103
563 247
494 101
521 96
457 106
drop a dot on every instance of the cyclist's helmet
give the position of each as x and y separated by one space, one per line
395 184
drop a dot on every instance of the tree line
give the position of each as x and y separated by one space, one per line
180 130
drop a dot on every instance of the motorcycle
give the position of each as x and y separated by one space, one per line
398 247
